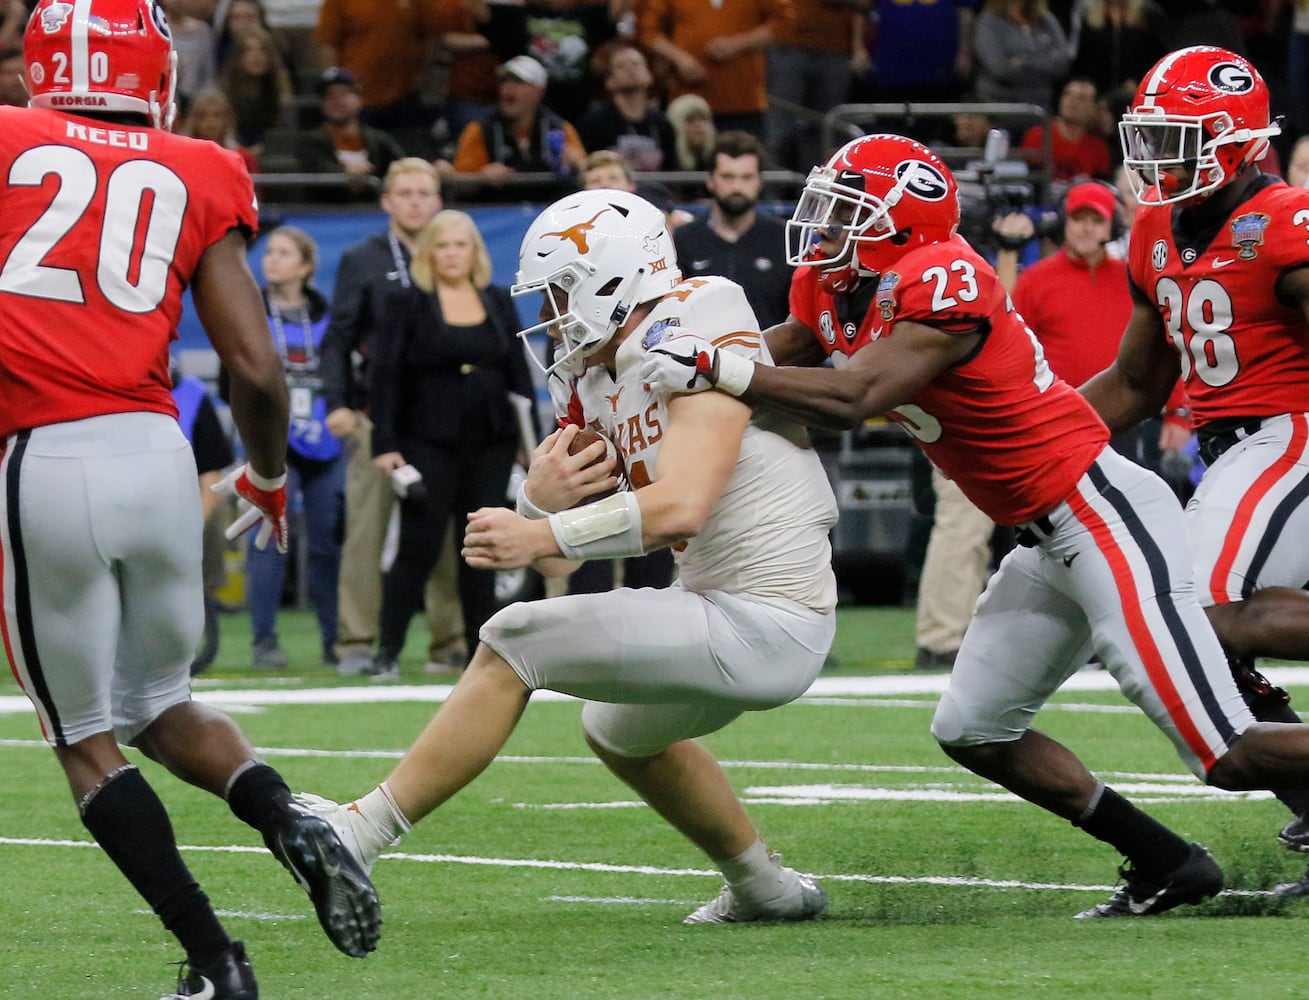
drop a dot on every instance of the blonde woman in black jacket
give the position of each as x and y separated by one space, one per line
447 358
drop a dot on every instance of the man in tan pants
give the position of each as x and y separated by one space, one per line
954 573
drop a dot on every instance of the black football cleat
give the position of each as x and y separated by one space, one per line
342 894
1295 835
1195 879
228 977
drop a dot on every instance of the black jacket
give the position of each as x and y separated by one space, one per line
443 384
366 275
317 155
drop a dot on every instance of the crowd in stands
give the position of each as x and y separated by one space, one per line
490 92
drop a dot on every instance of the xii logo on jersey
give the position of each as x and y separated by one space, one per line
1248 233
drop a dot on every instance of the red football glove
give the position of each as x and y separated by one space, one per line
262 500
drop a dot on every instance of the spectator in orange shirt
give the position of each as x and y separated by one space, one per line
384 43
521 135
717 51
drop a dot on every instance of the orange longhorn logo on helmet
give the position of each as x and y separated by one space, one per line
576 234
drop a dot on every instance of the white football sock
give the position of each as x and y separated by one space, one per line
753 875
379 808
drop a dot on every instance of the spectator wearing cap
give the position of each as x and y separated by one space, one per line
522 135
386 45
1077 303
343 144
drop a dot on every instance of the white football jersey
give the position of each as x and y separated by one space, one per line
768 533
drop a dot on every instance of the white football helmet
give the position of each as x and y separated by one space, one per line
594 255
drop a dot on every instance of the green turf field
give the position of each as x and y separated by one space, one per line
544 880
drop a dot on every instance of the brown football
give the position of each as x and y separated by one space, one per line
583 439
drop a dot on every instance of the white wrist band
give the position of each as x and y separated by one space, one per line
734 372
523 504
267 485
607 529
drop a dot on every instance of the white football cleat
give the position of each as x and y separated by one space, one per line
360 837
802 898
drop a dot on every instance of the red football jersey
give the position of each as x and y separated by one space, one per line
101 228
817 310
1012 435
1244 353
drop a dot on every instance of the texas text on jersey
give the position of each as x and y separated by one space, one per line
1244 352
92 229
1014 436
767 534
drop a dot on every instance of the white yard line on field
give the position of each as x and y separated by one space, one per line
648 870
1184 778
823 688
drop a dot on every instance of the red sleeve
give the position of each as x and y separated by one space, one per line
943 285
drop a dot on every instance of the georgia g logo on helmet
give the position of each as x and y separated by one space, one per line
925 181
160 18
1231 78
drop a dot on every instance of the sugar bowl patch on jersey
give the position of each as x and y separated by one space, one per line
885 300
1247 233
661 330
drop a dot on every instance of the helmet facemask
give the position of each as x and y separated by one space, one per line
577 329
1154 144
1201 111
827 209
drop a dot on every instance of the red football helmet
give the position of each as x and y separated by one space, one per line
888 194
101 55
1202 109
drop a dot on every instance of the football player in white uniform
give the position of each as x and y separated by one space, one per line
743 501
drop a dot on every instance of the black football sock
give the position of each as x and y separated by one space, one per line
1151 847
257 794
128 821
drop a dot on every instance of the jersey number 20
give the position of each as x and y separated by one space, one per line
144 203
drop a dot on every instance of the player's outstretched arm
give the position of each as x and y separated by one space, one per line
232 311
880 376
